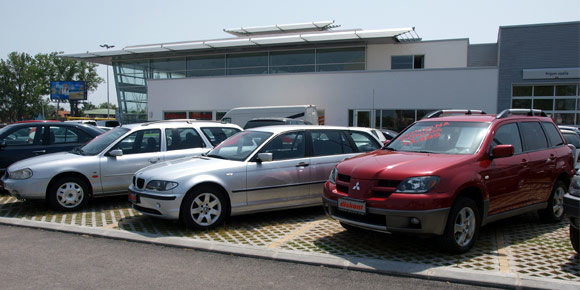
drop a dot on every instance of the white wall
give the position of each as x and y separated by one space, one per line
438 54
335 93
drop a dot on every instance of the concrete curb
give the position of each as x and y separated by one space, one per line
360 264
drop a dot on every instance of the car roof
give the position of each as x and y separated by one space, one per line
178 123
480 116
286 128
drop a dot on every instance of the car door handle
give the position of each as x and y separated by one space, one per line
39 151
524 162
552 157
302 164
153 160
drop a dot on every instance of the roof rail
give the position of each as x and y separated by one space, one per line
527 112
168 121
439 113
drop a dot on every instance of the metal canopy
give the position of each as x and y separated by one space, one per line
397 35
303 27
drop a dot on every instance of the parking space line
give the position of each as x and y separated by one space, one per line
301 230
504 266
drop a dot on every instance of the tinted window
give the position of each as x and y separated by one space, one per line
286 146
182 138
533 136
572 138
142 141
553 134
508 134
216 135
23 136
329 143
63 135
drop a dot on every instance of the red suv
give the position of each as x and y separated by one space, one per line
452 172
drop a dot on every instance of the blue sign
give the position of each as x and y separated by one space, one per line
68 90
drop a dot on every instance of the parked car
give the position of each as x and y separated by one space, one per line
261 169
572 138
261 122
569 127
447 176
572 210
389 134
375 132
31 138
106 165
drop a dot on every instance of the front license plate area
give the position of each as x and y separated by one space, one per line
133 197
350 205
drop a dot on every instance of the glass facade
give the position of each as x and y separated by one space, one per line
131 76
390 119
559 101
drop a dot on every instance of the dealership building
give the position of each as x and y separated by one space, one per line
384 78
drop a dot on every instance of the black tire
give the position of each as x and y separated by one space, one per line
204 208
575 238
462 226
555 210
68 194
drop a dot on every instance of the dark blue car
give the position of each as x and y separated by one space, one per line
28 139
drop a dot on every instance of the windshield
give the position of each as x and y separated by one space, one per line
239 146
101 142
441 137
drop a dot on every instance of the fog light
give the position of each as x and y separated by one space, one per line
158 205
415 221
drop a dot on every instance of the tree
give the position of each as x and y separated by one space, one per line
24 80
113 107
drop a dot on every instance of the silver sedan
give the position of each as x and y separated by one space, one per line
261 169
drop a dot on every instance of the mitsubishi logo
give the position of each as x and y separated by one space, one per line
356 187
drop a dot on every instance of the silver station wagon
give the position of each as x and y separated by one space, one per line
261 169
106 165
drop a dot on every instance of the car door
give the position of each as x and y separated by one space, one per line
506 178
140 149
21 142
65 138
284 181
542 162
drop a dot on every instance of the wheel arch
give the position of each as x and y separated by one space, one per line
69 174
218 187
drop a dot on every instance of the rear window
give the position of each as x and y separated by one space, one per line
260 123
533 136
553 134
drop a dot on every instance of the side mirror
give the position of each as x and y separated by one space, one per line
265 157
501 151
116 152
569 145
3 144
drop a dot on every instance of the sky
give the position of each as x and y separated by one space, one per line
76 26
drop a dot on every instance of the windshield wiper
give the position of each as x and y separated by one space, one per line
215 156
390 149
77 150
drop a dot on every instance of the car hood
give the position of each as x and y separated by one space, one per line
398 165
48 160
175 169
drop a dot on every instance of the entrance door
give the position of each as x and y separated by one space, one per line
362 118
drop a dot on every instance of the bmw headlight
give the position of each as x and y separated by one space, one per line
161 185
420 184
21 174
333 174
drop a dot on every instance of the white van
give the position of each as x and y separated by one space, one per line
242 115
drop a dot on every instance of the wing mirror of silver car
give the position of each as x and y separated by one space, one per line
265 157
2 144
116 152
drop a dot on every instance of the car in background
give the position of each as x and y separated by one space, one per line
88 122
106 165
375 132
572 138
260 169
448 175
32 138
572 210
570 127
261 122
389 134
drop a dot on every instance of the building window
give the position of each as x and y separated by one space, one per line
201 115
247 63
292 61
171 68
206 65
174 115
340 59
407 61
559 101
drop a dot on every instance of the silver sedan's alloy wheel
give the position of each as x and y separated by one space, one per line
464 228
70 194
558 203
206 209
